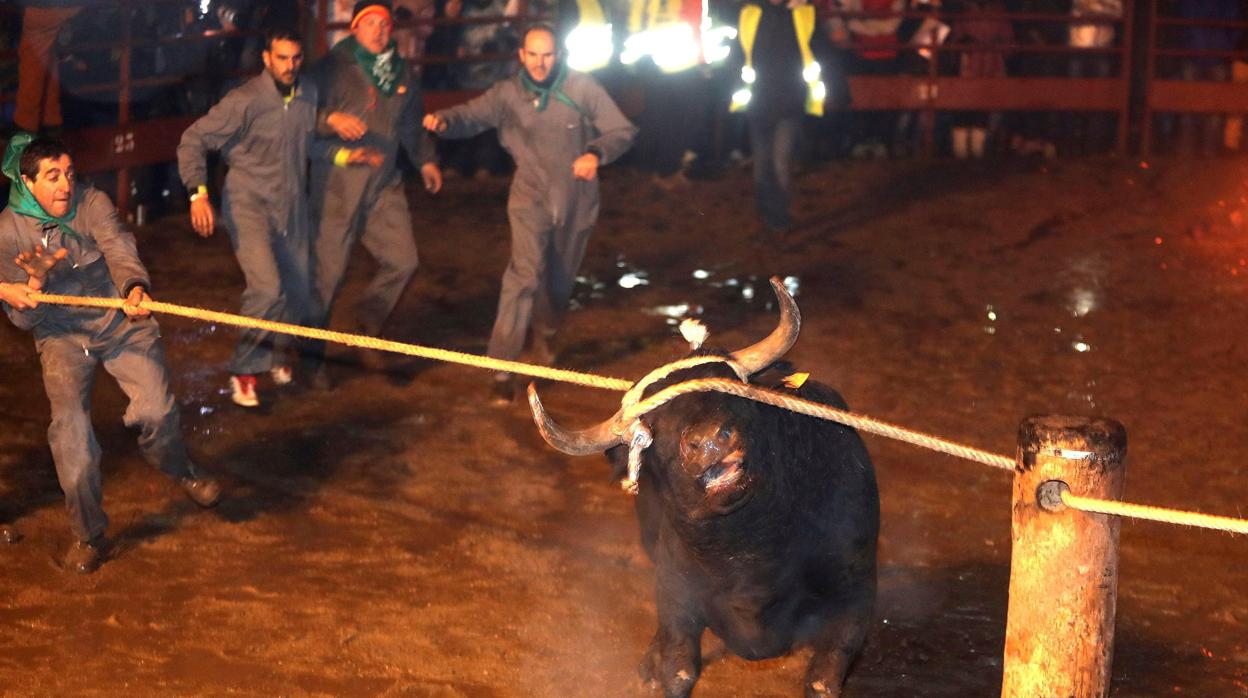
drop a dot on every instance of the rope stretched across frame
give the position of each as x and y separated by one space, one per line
354 340
723 385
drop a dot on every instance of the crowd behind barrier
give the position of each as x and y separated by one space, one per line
956 78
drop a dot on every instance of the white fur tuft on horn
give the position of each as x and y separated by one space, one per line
694 332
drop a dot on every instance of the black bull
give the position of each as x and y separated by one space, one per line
762 523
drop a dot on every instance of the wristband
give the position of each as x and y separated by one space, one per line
201 190
341 157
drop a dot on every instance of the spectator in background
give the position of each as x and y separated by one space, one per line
1092 132
1201 134
482 153
875 43
979 26
1036 132
339 12
443 43
413 29
38 82
920 36
82 70
486 39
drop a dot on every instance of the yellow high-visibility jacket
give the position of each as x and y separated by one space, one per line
804 24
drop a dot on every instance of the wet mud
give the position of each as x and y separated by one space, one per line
400 537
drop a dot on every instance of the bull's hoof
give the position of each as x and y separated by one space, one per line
648 669
679 684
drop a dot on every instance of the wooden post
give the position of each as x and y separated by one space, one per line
1059 636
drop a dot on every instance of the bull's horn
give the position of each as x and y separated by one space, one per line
574 443
759 356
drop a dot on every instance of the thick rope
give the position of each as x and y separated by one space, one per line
353 340
815 409
1150 513
632 413
874 426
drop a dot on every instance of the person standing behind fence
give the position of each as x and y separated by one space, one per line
1092 132
38 79
262 129
874 37
981 25
369 96
560 126
1201 134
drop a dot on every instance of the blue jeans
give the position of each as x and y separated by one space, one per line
773 140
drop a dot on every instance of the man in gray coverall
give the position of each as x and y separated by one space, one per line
559 125
262 129
70 242
369 96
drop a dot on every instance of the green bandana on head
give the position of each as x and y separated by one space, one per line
21 200
544 93
383 69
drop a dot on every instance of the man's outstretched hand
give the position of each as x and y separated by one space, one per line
37 262
434 122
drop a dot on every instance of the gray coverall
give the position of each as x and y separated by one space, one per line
363 203
265 142
72 341
551 212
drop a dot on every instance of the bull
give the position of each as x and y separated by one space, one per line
762 523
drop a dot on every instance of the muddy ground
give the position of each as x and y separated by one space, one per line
401 537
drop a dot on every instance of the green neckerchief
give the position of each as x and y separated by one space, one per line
555 88
20 198
383 69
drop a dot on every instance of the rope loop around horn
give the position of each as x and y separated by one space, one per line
639 439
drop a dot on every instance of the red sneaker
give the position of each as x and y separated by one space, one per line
243 391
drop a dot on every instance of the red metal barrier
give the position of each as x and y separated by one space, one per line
1167 95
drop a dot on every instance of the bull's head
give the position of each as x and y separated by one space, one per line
698 440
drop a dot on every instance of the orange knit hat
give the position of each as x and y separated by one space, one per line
363 8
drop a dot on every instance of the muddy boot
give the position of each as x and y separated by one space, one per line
204 491
85 557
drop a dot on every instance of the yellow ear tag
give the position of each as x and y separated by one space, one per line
795 380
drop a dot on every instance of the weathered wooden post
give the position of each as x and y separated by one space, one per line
1059 636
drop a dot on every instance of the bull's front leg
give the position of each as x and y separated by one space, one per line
837 645
674 659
